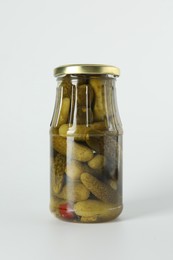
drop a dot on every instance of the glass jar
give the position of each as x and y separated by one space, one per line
86 145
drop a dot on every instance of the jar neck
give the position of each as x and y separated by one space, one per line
92 99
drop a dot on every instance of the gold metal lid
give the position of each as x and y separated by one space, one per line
86 69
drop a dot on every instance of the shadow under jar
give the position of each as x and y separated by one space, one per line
86 145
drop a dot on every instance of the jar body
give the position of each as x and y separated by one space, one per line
86 150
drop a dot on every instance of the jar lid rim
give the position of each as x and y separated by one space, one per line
86 69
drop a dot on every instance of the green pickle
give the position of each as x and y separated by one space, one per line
85 95
84 115
66 86
86 152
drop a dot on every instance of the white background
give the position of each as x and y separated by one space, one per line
35 37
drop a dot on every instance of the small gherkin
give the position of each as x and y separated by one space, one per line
106 145
57 182
84 115
95 172
59 164
77 151
66 86
95 140
101 190
85 95
95 210
102 143
57 173
74 192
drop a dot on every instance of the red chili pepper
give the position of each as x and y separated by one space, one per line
66 211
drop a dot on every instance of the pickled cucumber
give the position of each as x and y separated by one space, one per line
84 115
113 184
99 105
74 169
59 164
106 145
66 86
97 162
57 183
77 151
64 112
74 192
85 95
95 172
95 140
80 131
57 173
100 189
95 210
